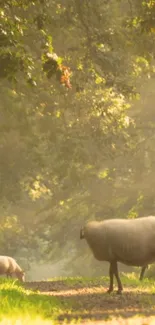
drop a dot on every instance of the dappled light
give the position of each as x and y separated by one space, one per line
77 144
88 299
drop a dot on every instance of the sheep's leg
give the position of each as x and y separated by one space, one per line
9 275
120 287
142 272
111 275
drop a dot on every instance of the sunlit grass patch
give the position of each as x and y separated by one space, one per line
73 280
25 320
128 280
19 303
131 279
78 298
80 280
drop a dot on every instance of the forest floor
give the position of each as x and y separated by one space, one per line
77 301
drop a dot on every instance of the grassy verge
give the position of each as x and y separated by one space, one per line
128 280
75 299
20 306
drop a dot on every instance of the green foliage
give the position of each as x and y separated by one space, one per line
24 37
150 273
68 155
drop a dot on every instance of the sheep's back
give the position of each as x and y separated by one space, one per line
13 266
4 264
131 241
8 263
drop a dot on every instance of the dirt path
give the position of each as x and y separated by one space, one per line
92 305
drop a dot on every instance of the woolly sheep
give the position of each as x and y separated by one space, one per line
9 266
129 241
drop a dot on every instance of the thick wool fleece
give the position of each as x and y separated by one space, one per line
130 241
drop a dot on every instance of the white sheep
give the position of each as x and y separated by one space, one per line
9 266
129 241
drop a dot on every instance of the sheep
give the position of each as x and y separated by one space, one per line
142 272
9 266
129 241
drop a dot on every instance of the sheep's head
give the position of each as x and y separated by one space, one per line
82 233
21 276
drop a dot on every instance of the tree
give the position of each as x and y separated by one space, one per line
72 154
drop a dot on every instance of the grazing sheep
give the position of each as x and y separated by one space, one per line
9 267
129 241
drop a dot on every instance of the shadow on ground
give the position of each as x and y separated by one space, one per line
92 302
57 285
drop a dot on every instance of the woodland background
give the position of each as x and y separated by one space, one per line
77 126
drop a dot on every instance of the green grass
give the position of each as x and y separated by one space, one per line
128 279
77 280
19 306
132 280
27 307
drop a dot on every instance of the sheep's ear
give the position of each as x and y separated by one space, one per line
82 233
